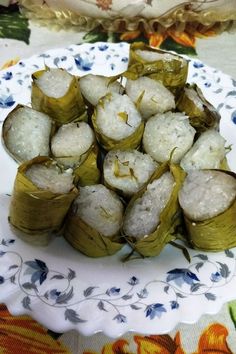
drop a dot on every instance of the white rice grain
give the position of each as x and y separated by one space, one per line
156 97
54 82
207 152
28 133
143 218
93 87
134 170
51 178
100 208
110 116
206 194
73 139
165 132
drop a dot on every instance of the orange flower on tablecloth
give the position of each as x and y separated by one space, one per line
129 36
9 63
214 340
156 39
162 344
22 335
104 4
118 347
184 38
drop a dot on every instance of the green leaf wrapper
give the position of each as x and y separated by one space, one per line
64 109
170 217
200 119
172 72
215 234
88 172
224 165
37 213
87 240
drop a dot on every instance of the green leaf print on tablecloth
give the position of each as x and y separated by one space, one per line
170 44
13 25
232 311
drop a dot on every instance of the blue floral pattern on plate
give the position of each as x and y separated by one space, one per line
64 289
34 279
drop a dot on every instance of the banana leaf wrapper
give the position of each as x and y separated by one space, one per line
88 173
172 73
131 142
5 135
215 234
224 165
200 119
170 217
89 241
64 109
37 214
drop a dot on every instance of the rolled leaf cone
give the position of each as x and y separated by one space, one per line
36 214
172 73
87 240
5 134
170 217
64 109
131 142
88 172
200 119
215 234
224 165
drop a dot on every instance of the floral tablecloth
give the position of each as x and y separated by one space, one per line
19 38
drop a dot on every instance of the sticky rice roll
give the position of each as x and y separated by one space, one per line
50 178
57 93
127 171
150 96
94 87
165 132
208 201
117 122
55 82
152 216
93 226
26 133
143 218
100 208
206 194
207 152
71 143
169 69
41 198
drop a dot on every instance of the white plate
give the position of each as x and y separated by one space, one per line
65 290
